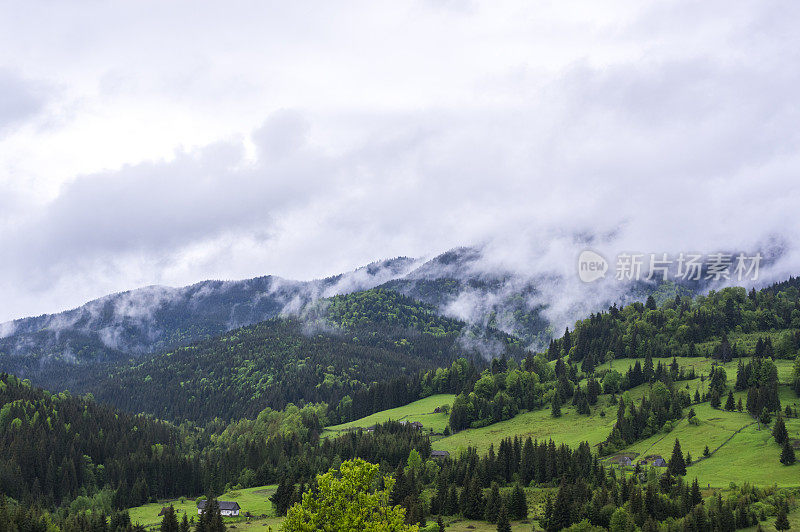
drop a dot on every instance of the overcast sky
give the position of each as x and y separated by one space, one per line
170 142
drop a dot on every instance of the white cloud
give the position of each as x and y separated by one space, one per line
151 143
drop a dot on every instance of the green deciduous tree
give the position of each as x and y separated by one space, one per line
347 500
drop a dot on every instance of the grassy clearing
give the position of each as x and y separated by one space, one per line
421 411
571 429
741 452
750 456
254 500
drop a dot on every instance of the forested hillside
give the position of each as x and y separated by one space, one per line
725 324
55 447
343 353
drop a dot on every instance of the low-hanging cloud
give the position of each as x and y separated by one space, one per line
660 129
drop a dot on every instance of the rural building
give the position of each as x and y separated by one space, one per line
226 508
440 454
655 460
163 511
621 460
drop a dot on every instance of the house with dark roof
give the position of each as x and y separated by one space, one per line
621 460
440 454
226 508
655 460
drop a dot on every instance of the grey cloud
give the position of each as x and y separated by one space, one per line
20 99
684 139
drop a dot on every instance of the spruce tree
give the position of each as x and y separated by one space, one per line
519 504
492 504
184 526
715 399
452 501
211 518
283 497
696 497
561 515
779 431
169 523
503 525
782 522
677 465
787 454
556 407
765 418
730 405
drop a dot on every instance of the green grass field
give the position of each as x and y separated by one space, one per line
253 500
570 429
750 455
421 411
741 451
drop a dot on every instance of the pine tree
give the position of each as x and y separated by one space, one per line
211 518
169 523
561 509
782 522
492 504
787 454
706 452
696 497
184 526
556 407
779 431
677 465
765 418
451 507
730 404
283 497
519 504
503 525
715 399
739 406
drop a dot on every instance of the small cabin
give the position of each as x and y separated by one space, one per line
226 508
655 460
621 460
441 455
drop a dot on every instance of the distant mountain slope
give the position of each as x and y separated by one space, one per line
155 318
464 283
342 346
